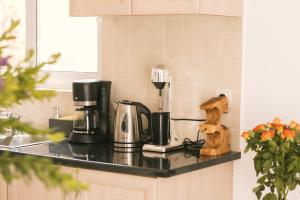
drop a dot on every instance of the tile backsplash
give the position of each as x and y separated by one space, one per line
202 52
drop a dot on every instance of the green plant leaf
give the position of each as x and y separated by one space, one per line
262 179
267 155
19 84
270 197
267 165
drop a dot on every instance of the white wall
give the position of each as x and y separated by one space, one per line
271 72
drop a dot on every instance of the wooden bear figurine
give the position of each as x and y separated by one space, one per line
217 134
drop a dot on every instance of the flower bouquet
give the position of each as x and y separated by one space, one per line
277 159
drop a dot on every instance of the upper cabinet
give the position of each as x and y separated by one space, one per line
222 7
100 7
155 7
152 7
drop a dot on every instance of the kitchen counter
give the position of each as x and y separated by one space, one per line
102 157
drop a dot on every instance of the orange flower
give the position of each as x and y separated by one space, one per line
260 127
293 125
267 135
277 120
278 127
246 135
287 133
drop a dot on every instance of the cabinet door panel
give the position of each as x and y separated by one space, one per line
35 190
3 189
112 186
100 7
148 7
222 7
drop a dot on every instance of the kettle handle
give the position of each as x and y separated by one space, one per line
142 109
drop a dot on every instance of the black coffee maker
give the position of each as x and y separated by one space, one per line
91 118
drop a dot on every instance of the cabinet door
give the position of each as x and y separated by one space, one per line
112 186
3 189
148 7
212 183
222 7
35 190
99 7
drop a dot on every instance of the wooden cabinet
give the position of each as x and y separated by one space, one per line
213 183
35 190
150 7
100 7
113 186
3 189
154 7
21 190
199 184
222 7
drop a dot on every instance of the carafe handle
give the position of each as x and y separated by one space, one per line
142 109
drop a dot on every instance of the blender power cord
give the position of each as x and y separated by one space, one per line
193 147
187 119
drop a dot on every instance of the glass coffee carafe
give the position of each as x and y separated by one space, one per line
86 120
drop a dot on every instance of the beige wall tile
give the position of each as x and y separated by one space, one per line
156 49
191 69
202 52
174 47
122 26
137 89
231 71
192 110
192 48
174 27
232 48
156 26
120 88
192 92
139 27
177 91
210 70
235 92
232 27
106 47
122 47
212 37
139 47
173 64
193 27
152 92
190 130
122 68
39 112
139 68
208 90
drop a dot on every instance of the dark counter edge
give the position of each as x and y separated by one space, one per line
138 171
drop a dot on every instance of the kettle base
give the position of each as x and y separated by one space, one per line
127 147
127 150
162 149
86 138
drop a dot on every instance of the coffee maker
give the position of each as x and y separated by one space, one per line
164 137
91 117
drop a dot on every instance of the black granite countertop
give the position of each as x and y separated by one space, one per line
102 157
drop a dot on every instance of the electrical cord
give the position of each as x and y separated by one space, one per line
193 148
187 119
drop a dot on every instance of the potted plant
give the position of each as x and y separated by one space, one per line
18 83
277 159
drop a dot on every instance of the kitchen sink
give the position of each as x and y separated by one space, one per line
21 140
